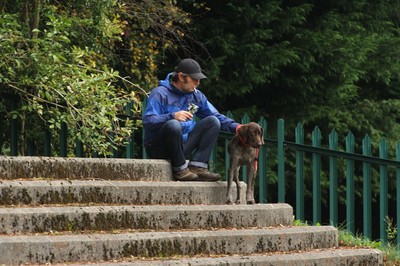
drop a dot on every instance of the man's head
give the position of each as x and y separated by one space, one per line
191 68
187 75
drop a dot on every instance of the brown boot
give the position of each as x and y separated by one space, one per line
185 175
204 174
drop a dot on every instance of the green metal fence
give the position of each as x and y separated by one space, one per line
328 160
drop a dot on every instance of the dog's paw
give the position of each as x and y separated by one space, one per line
251 202
237 201
229 202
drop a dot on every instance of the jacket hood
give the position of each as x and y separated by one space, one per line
167 84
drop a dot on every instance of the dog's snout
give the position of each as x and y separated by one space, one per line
258 144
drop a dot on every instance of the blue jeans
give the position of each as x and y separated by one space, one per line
168 143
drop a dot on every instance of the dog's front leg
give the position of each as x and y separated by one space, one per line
251 176
231 173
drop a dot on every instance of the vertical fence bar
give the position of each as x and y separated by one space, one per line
299 174
130 146
350 184
226 143
30 147
367 190
262 166
63 139
383 192
227 158
333 180
281 161
213 159
1 131
316 172
78 148
245 120
47 143
398 195
112 148
14 128
144 153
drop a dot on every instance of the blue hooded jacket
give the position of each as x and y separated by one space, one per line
165 100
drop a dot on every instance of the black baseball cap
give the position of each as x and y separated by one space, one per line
190 67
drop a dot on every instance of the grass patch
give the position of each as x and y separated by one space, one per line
347 239
391 254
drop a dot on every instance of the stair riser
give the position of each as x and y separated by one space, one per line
83 168
115 192
37 220
57 249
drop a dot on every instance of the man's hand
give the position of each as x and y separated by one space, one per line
183 116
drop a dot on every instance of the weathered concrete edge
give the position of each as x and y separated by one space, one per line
329 257
37 192
76 248
77 168
48 219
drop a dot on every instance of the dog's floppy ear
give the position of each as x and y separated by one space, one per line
262 135
242 132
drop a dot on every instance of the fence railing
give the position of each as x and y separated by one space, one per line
308 164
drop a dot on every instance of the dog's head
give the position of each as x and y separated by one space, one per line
251 134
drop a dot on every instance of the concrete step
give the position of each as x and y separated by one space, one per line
58 219
85 210
84 168
324 257
106 247
38 192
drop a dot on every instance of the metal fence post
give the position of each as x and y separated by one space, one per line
383 191
226 144
398 195
1 131
367 190
299 174
130 146
14 128
262 166
245 120
350 184
144 153
333 180
281 161
63 140
47 143
316 173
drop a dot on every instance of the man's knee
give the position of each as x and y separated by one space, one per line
173 126
213 122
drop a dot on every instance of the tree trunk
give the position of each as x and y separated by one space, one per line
36 18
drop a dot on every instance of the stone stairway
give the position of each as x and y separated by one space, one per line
130 212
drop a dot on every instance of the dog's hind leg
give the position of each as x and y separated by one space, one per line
251 176
236 179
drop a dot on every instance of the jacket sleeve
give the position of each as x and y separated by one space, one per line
207 109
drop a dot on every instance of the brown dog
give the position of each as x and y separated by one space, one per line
243 150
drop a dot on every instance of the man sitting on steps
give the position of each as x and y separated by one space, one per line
170 130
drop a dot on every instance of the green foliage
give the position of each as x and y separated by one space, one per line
60 77
62 63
